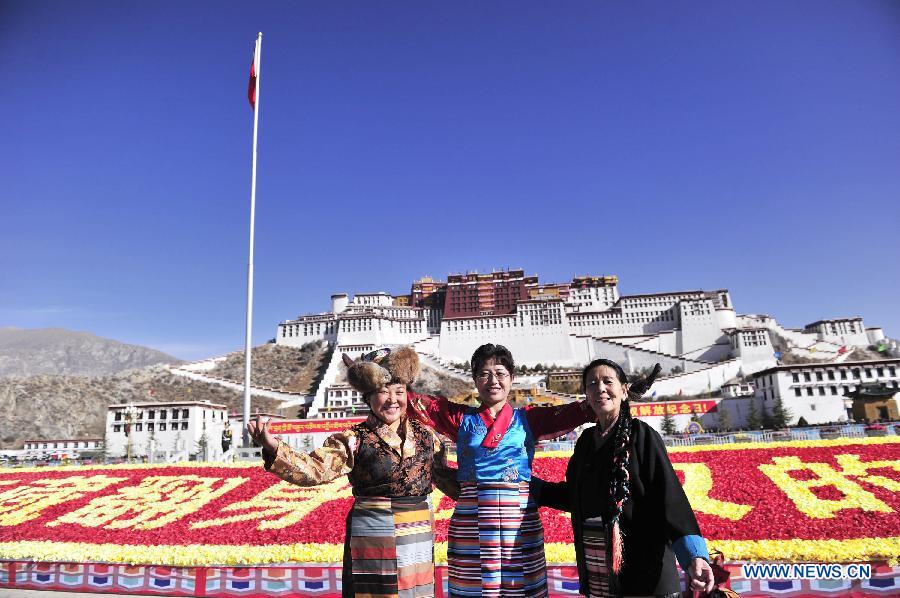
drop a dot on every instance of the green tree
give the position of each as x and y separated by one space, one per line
781 415
767 422
203 448
695 417
754 421
724 420
151 444
668 424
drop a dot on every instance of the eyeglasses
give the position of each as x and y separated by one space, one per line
485 376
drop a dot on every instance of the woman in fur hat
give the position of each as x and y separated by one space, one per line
391 461
496 540
630 515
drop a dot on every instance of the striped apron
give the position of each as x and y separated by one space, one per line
594 541
496 542
391 548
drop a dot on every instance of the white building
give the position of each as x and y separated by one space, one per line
843 331
697 337
166 431
733 390
64 448
691 324
817 392
343 401
369 319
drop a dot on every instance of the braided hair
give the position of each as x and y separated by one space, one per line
619 487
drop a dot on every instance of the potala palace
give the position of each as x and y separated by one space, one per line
697 336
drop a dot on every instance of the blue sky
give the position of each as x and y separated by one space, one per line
752 146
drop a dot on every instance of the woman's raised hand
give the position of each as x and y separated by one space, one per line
259 432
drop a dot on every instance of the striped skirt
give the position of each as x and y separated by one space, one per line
391 548
594 541
496 543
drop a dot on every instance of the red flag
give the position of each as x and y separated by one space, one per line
251 87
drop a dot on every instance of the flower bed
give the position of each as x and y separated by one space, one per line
827 500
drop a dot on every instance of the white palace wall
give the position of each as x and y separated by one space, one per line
698 381
529 344
632 358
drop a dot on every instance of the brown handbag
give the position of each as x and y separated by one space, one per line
721 575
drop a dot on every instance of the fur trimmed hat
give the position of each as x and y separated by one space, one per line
382 367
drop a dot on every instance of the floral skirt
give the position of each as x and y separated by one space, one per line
390 548
496 543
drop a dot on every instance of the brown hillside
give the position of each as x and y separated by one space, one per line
291 369
75 406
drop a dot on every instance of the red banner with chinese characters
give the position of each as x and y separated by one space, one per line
672 408
831 500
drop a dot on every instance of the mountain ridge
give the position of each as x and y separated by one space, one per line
28 352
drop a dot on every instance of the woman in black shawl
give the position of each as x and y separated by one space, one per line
630 515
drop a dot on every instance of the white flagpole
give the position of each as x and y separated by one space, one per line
247 345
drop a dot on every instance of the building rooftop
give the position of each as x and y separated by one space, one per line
827 365
169 404
63 440
848 319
